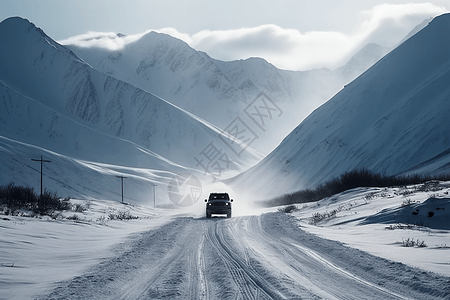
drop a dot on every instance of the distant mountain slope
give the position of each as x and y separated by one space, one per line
219 91
392 119
365 57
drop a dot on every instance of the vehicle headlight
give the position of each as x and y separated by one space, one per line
226 203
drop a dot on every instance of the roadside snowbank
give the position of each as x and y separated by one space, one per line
383 221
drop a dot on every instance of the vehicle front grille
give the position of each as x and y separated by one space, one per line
219 203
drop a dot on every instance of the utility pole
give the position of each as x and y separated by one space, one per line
121 179
42 161
154 195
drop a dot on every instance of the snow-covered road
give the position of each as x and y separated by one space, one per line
250 257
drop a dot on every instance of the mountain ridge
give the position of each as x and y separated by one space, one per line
219 91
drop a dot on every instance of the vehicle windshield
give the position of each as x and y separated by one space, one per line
215 197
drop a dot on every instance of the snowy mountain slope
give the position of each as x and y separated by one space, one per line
219 91
35 69
82 179
391 119
25 119
84 162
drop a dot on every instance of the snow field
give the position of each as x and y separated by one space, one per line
36 252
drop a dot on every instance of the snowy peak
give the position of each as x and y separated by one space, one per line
157 40
216 91
22 33
33 64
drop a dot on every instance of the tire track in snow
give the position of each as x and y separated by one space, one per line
251 284
353 277
201 266
306 270
232 267
268 257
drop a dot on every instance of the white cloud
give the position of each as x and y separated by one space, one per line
108 40
285 48
384 24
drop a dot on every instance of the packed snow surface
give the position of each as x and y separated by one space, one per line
257 254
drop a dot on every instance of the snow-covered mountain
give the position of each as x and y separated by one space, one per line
219 91
53 102
392 119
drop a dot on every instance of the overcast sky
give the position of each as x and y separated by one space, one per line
291 34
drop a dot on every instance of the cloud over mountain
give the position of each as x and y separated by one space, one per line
289 48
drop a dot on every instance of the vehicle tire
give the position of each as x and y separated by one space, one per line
229 215
208 215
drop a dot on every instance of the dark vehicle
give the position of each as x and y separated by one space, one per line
218 204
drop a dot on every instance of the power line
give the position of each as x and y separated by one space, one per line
121 179
42 161
154 195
